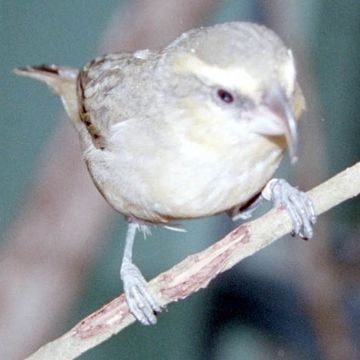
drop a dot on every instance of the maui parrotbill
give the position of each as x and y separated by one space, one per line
192 130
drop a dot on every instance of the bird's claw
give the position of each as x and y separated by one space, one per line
140 302
297 203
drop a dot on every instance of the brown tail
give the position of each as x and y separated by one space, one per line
61 80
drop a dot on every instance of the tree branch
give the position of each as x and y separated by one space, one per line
196 271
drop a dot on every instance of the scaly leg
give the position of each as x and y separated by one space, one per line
283 195
297 203
141 303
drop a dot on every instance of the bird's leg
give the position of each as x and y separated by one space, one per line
246 213
297 203
141 303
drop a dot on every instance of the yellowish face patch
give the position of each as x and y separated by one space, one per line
211 128
287 74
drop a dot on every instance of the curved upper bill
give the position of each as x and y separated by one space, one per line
275 117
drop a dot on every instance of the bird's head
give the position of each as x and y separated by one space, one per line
240 72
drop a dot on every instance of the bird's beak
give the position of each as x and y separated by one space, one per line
277 118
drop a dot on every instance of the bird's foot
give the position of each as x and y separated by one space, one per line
297 203
141 303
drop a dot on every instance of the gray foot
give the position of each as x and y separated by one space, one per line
297 203
141 303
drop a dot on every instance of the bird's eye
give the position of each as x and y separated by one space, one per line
225 96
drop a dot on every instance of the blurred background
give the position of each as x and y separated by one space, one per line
61 244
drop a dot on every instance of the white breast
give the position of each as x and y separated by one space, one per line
150 180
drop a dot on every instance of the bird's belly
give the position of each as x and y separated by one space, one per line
162 187
207 189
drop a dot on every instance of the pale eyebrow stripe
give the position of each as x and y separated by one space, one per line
230 77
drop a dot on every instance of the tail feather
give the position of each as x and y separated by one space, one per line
61 80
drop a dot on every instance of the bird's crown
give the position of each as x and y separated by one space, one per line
239 55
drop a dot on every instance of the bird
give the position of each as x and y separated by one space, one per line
192 130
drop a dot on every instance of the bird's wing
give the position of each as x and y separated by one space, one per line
107 93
